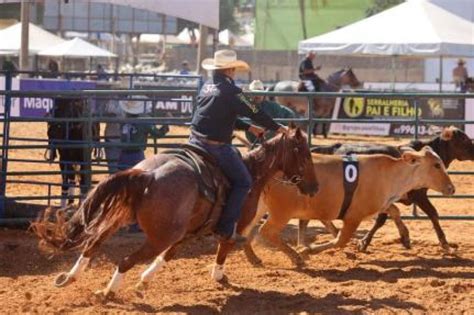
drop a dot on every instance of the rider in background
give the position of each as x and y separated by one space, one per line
307 73
219 104
270 108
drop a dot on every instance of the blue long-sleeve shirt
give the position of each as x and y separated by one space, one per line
219 104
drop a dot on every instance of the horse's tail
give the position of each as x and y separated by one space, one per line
271 88
107 207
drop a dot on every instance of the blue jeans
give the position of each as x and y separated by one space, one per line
234 168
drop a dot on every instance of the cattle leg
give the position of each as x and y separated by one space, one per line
340 241
271 231
303 224
424 203
367 239
394 213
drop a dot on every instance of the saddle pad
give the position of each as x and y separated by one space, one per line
350 171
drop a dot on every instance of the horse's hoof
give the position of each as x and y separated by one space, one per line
362 246
103 296
62 280
217 273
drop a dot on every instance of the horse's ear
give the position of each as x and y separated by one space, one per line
298 133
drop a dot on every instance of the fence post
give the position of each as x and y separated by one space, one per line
310 121
415 101
5 142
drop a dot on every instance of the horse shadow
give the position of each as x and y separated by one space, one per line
421 268
274 302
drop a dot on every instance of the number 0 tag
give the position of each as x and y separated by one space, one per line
350 173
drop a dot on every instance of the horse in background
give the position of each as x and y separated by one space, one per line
70 140
322 106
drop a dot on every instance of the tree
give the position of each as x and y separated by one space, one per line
227 9
382 5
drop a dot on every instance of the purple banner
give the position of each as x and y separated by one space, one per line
40 106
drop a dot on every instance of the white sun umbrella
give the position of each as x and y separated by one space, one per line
39 39
76 48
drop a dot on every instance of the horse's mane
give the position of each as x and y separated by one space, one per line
335 76
254 158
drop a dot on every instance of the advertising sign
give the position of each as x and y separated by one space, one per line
40 106
379 108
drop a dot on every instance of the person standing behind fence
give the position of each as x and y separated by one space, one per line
112 135
133 135
460 75
272 109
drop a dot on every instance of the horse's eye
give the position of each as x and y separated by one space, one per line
438 166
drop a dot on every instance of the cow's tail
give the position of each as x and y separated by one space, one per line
107 207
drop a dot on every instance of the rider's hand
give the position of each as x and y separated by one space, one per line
283 129
256 131
317 68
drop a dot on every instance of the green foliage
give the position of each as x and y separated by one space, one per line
382 5
227 19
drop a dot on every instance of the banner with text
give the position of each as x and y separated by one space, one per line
379 108
40 106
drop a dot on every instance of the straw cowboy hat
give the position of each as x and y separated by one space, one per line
224 59
256 85
132 107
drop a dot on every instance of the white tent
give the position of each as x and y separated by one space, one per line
10 39
413 28
76 48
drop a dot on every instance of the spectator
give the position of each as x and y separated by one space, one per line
112 135
272 109
101 73
185 70
53 69
460 75
9 65
307 73
134 134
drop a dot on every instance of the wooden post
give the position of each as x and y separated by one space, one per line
202 48
25 20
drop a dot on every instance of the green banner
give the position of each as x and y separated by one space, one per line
279 22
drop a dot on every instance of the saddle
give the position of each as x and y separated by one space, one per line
213 184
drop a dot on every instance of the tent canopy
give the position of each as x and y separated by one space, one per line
76 48
413 28
10 39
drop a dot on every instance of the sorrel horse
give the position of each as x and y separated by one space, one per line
70 139
162 194
322 106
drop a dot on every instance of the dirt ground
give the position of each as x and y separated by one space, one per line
386 279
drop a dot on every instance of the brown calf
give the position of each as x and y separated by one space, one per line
382 180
